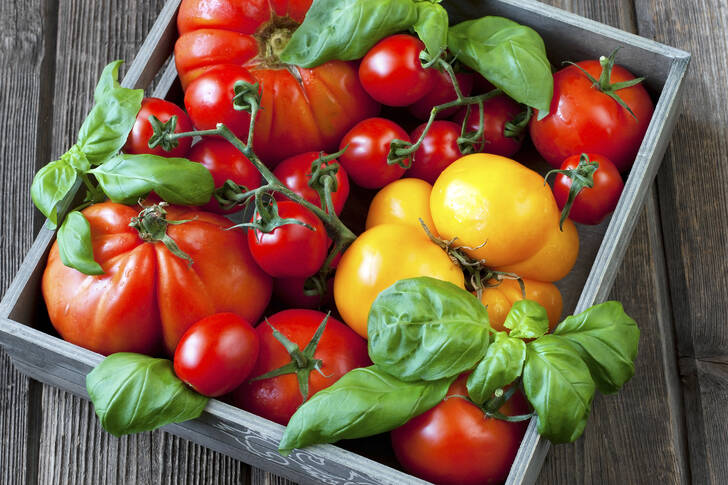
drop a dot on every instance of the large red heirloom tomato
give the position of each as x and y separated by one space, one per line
148 297
321 103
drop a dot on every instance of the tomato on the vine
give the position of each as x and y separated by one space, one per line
442 92
138 140
498 111
439 149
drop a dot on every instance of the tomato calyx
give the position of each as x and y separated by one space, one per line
322 177
302 361
581 177
152 226
266 217
272 38
517 126
161 137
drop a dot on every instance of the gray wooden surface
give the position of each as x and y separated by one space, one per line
669 424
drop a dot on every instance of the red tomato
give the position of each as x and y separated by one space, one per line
148 297
322 103
290 292
438 150
295 172
216 354
456 443
592 205
225 162
442 92
340 350
291 250
392 73
583 119
365 159
497 111
138 140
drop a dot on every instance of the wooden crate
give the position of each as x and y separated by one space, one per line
36 350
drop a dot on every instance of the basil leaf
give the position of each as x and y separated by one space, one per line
509 55
607 340
126 178
431 27
424 328
50 186
133 393
558 385
107 126
364 402
346 29
502 365
527 319
74 244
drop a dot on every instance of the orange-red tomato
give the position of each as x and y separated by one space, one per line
499 300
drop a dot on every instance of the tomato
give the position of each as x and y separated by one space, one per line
392 73
225 162
291 250
380 257
593 204
322 103
138 140
365 159
340 350
499 299
438 150
442 92
148 297
582 118
295 172
216 354
404 201
497 111
456 443
291 292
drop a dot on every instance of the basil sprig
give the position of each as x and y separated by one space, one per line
431 27
74 244
502 364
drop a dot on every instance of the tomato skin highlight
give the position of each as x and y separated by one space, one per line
497 111
439 149
138 140
216 354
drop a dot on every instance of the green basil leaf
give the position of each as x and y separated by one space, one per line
424 328
126 178
51 185
509 55
107 126
527 319
364 402
346 29
502 365
431 26
607 339
74 244
558 385
133 393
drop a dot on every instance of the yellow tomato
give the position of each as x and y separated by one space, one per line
485 198
499 300
379 258
404 201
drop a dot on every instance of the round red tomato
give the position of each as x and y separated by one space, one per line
322 103
216 354
438 150
291 250
148 297
455 443
291 292
225 162
138 140
392 73
583 118
593 204
497 112
295 172
365 159
339 350
442 92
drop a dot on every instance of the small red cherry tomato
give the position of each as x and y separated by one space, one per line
216 354
295 172
392 73
442 92
497 112
291 250
438 150
138 140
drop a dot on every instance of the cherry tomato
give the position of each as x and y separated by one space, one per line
340 350
593 204
365 159
497 111
392 73
442 92
438 150
499 300
291 250
582 118
291 292
404 201
216 354
225 162
138 140
295 172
